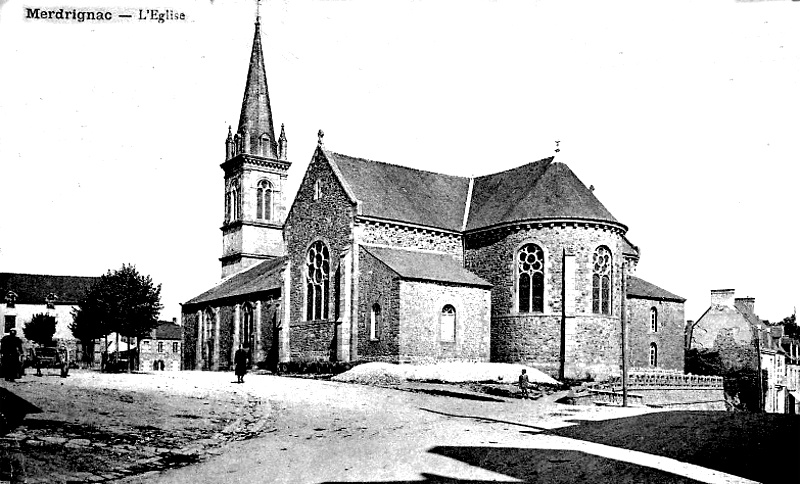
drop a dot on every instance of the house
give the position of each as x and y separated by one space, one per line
380 262
731 328
162 349
25 295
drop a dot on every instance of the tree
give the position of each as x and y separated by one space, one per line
121 301
790 327
40 329
86 327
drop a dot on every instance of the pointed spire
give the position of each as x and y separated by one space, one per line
255 121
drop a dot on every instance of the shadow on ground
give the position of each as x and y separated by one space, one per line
755 446
546 466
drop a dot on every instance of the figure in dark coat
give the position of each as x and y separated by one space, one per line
523 384
240 363
10 351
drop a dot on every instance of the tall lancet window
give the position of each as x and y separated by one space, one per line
318 271
247 335
601 281
264 200
530 279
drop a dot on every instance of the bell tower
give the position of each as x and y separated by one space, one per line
256 169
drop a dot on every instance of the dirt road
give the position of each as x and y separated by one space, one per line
290 430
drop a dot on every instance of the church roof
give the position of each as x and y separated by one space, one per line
541 191
425 266
256 115
260 277
641 289
404 194
36 288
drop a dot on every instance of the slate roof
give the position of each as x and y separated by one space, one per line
35 288
628 248
259 277
542 190
641 289
256 115
425 266
168 330
404 194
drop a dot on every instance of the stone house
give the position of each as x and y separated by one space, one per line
25 295
380 262
731 328
656 326
162 349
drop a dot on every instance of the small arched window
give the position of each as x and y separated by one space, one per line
318 271
318 189
447 323
530 279
232 204
264 200
374 321
601 281
654 320
653 355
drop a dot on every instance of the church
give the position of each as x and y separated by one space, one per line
379 262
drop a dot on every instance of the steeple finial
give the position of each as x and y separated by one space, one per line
258 12
557 148
320 134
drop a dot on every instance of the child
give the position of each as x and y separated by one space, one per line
523 384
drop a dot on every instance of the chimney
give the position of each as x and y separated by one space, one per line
746 304
722 297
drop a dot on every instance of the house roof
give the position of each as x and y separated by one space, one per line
35 288
404 194
641 289
256 278
425 266
168 330
542 190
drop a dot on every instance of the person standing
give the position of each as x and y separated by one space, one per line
240 363
10 351
523 384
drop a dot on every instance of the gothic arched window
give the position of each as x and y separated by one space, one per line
318 271
530 279
601 281
264 200
653 354
318 189
448 323
247 338
654 320
374 321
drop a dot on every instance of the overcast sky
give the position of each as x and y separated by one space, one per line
685 116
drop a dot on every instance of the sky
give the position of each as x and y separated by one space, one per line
685 116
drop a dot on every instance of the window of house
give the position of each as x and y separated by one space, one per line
654 320
11 299
653 355
174 346
160 346
318 189
318 270
264 200
447 323
601 281
10 322
530 279
374 321
146 345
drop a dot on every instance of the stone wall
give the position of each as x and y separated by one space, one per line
313 340
226 323
591 342
329 219
396 235
378 284
421 306
669 337
189 323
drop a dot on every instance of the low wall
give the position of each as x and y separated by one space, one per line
668 389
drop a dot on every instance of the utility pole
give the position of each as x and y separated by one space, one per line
760 376
623 320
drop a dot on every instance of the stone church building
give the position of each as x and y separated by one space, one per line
380 262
